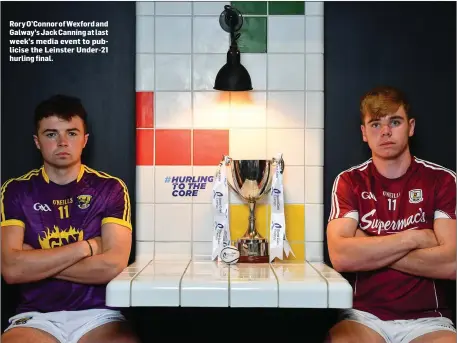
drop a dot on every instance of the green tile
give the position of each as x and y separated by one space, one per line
286 7
251 7
253 35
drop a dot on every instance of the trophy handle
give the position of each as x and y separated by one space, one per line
225 162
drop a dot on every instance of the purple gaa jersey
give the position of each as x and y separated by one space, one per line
55 215
383 206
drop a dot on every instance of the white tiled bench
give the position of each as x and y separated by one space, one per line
300 285
158 284
253 285
339 290
205 283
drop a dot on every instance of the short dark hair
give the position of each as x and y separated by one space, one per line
62 106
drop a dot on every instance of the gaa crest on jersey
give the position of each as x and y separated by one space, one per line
83 201
415 196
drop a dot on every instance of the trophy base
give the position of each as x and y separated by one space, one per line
253 259
253 250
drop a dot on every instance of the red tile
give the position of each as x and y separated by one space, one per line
144 109
173 147
144 147
209 146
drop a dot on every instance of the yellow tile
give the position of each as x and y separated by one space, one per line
298 250
295 221
295 225
239 220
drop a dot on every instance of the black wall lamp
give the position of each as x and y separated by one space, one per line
233 76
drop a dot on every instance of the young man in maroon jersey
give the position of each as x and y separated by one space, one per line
66 232
392 233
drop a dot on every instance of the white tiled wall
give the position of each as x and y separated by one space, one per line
180 48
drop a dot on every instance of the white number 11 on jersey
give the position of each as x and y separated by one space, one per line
392 204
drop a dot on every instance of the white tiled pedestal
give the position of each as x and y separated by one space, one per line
205 283
253 285
158 284
300 285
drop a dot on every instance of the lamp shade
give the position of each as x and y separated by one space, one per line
233 76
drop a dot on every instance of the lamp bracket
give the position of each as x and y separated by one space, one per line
231 20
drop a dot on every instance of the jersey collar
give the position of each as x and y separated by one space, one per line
46 177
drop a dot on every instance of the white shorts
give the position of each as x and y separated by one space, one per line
65 326
396 331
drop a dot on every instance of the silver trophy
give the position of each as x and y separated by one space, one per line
251 181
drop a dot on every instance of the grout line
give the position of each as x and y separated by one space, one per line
180 280
267 58
154 99
192 129
214 91
198 241
133 278
277 281
222 53
229 286
266 203
174 241
304 134
216 15
325 279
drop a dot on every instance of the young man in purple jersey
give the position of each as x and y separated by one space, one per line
66 232
392 233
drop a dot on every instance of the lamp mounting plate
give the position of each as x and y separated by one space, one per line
231 19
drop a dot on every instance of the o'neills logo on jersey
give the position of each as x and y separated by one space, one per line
368 222
391 195
58 237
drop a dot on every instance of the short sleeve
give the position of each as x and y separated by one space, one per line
343 200
11 211
118 210
445 196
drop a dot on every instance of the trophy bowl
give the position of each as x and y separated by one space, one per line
251 181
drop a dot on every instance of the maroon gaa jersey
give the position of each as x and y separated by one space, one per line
383 206
54 215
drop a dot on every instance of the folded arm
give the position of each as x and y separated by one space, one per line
22 266
102 268
438 262
350 253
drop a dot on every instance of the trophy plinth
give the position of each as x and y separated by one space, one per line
253 250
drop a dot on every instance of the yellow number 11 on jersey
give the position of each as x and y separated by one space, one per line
63 211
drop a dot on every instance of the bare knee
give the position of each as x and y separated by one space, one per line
352 332
114 332
436 337
27 335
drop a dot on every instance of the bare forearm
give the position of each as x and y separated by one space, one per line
437 263
98 269
24 266
370 253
